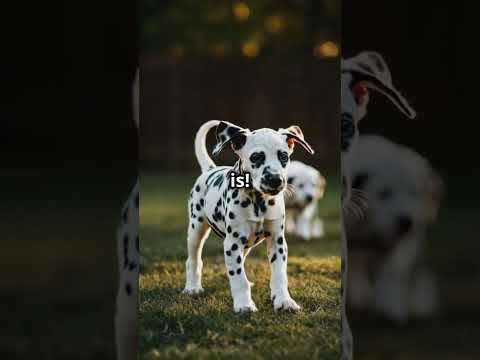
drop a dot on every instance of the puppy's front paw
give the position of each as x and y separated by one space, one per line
285 304
248 308
317 229
304 232
192 290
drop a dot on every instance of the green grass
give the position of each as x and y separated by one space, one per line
177 326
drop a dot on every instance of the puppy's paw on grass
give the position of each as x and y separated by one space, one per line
193 291
245 309
285 304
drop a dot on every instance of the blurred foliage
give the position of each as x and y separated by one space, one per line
241 28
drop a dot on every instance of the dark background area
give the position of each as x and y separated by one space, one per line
430 48
262 63
69 159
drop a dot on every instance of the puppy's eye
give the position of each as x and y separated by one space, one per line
283 157
257 157
385 194
301 186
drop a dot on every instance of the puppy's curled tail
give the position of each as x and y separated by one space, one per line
200 148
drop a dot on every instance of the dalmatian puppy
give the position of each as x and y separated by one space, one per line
360 74
128 248
387 271
243 217
302 204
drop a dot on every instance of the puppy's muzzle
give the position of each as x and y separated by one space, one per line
272 183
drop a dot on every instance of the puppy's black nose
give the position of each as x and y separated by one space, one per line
309 198
403 225
274 181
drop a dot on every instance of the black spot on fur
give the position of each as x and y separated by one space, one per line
239 259
237 202
235 194
202 202
200 219
274 257
231 215
234 247
231 272
245 203
132 266
198 207
243 239
271 202
197 188
128 289
267 233
218 181
280 240
284 258
257 159
228 252
290 179
229 229
193 226
280 250
283 157
235 234
239 271
347 131
259 204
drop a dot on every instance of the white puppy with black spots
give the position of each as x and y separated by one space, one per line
243 217
359 74
308 187
388 271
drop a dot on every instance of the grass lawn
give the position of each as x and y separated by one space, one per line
177 326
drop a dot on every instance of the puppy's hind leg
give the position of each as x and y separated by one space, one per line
197 234
304 222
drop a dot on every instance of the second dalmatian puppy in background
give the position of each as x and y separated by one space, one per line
307 187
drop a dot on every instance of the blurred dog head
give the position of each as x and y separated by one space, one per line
308 184
264 153
360 74
401 189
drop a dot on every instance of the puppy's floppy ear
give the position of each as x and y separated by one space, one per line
295 135
370 70
227 133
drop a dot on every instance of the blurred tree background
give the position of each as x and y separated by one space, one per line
257 63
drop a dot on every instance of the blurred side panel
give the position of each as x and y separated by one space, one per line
412 255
